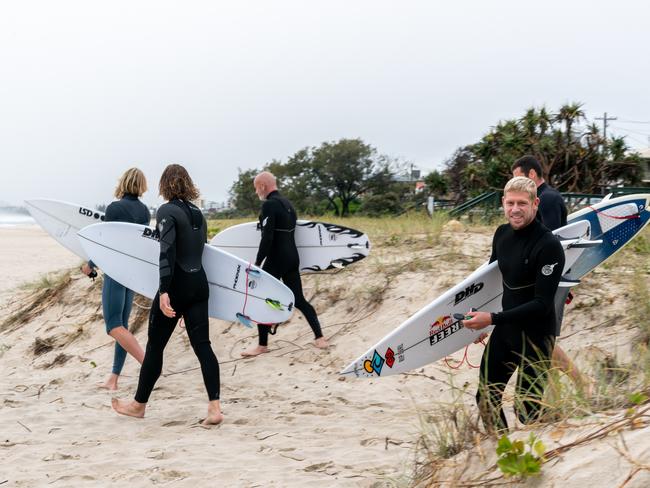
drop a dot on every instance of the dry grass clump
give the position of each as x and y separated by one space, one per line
60 340
59 360
452 429
42 346
47 291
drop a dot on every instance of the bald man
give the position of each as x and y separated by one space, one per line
279 255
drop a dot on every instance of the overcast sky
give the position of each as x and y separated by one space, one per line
91 88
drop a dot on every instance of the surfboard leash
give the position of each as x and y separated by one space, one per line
464 360
245 319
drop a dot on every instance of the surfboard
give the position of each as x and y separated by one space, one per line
62 220
321 246
616 221
613 223
433 332
129 254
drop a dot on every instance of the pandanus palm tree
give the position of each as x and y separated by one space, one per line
569 114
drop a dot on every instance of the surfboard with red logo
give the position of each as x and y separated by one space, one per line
432 333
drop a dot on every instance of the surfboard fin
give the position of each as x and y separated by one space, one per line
275 304
566 282
255 273
244 320
585 244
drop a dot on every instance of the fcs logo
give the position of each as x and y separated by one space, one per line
468 292
547 269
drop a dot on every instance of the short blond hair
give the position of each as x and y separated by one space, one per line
132 182
521 184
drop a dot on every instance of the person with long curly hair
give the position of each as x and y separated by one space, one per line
183 292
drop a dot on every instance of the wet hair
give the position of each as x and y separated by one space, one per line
132 182
526 163
522 184
175 182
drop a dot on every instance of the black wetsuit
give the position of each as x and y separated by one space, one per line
127 209
552 213
531 261
182 231
280 256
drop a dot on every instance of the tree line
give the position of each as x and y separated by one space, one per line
350 176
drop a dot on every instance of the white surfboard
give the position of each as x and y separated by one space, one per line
433 333
129 254
62 220
320 245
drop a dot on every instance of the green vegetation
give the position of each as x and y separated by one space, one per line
520 459
350 177
572 161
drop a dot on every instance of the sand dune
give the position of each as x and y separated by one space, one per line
290 419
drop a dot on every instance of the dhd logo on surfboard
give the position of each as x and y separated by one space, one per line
472 289
151 234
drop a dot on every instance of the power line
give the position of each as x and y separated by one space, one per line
635 121
634 138
630 130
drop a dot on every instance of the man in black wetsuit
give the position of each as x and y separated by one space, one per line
531 261
183 292
553 214
279 254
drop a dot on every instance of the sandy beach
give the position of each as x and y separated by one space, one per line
290 420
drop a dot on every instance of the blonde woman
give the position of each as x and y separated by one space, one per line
116 299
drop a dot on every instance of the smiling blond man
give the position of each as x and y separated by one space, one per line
531 260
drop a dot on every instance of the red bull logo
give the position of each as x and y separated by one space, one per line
439 324
442 328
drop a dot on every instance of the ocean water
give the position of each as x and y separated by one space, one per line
15 219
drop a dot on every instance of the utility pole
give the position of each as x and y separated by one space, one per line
605 119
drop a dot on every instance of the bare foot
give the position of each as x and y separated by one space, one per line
587 385
254 351
110 384
215 416
321 343
129 407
